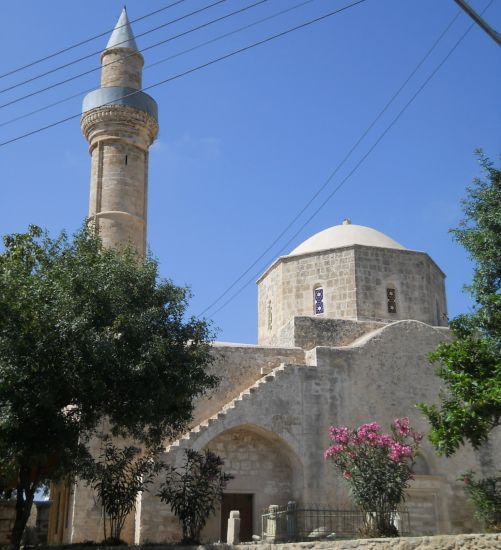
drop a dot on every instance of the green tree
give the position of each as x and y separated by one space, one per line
485 494
194 490
88 333
470 365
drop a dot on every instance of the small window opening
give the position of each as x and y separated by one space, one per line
391 294
126 160
318 297
270 316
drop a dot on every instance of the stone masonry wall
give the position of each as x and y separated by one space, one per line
309 332
291 293
238 367
119 137
121 68
250 458
442 542
355 281
7 517
269 305
419 285
379 378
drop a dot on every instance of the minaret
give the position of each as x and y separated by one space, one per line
120 123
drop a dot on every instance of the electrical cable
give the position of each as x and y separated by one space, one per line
339 166
192 70
165 59
100 67
359 163
93 54
87 40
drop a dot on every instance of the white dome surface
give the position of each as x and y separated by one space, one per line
346 234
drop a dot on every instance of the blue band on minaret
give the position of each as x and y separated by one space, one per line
117 95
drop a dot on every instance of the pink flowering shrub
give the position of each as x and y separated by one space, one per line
378 468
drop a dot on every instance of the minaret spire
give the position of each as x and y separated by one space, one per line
122 35
120 123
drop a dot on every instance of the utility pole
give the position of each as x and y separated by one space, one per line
481 22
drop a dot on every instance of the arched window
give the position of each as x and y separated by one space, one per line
318 300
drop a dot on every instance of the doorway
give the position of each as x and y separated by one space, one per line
243 503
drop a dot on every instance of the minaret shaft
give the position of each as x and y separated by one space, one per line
119 122
120 67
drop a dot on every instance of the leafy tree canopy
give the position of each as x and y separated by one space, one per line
470 365
88 333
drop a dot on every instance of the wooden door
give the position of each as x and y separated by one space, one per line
243 503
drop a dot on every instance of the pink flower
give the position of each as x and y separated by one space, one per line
339 434
347 475
402 426
371 427
399 451
364 430
334 450
385 440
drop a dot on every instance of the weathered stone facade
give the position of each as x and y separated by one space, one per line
354 280
120 123
346 322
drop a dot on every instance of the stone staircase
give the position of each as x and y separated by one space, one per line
186 440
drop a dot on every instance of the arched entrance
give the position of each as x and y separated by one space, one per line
266 471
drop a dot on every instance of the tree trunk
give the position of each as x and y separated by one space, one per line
24 500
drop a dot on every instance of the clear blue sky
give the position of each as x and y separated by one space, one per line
244 144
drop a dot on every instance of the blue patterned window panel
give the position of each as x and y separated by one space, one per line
318 295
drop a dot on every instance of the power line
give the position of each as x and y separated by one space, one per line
338 167
165 59
86 41
84 73
193 69
93 54
359 163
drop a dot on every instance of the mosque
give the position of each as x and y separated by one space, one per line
345 323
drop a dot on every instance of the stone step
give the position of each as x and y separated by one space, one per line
277 372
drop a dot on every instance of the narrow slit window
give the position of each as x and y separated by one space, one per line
126 159
318 297
391 294
270 316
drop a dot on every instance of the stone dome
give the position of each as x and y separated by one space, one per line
343 235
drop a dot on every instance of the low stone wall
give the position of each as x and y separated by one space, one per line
36 528
309 332
7 517
439 542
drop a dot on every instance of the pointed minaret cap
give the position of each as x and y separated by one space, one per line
122 35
